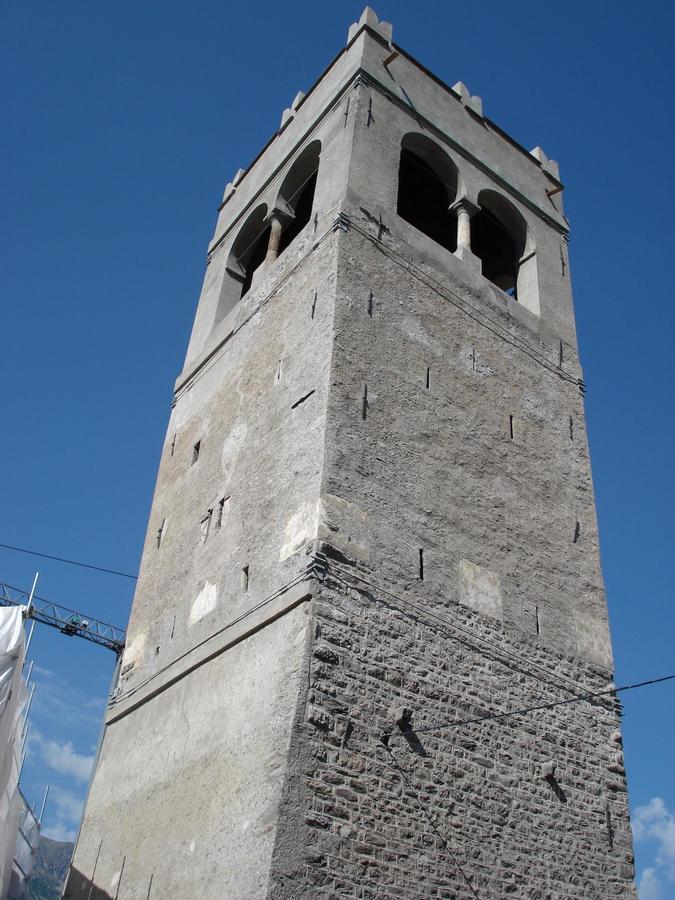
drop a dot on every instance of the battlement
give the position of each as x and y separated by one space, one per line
331 147
383 31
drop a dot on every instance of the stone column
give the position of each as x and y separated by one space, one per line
276 226
463 227
276 219
465 209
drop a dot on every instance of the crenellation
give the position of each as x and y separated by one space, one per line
548 165
369 19
474 103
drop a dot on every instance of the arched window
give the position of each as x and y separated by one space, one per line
499 238
254 257
264 236
427 186
296 195
247 253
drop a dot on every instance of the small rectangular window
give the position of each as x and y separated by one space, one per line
205 525
160 532
221 511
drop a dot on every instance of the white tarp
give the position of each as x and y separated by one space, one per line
13 696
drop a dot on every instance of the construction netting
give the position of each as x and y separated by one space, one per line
13 697
26 846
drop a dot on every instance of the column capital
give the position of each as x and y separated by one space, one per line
281 211
464 205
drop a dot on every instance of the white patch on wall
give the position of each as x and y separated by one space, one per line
480 589
192 409
205 602
232 446
134 650
414 330
344 525
182 411
114 880
300 529
536 409
593 640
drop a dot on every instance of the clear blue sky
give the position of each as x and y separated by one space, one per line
122 123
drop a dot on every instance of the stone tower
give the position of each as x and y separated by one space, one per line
373 537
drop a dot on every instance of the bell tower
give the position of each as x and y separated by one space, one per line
370 603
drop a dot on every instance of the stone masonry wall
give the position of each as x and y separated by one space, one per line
458 517
462 812
452 430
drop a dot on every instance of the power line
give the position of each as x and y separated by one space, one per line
492 717
461 303
503 656
305 574
468 639
70 562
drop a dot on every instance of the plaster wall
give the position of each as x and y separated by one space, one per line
259 451
455 439
185 799
184 792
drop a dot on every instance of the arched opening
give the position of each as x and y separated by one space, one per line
427 186
256 256
247 253
499 237
296 195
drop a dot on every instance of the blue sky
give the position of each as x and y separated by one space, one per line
122 124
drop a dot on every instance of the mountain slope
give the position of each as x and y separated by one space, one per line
49 871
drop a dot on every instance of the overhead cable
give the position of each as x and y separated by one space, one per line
478 315
70 562
493 716
467 638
